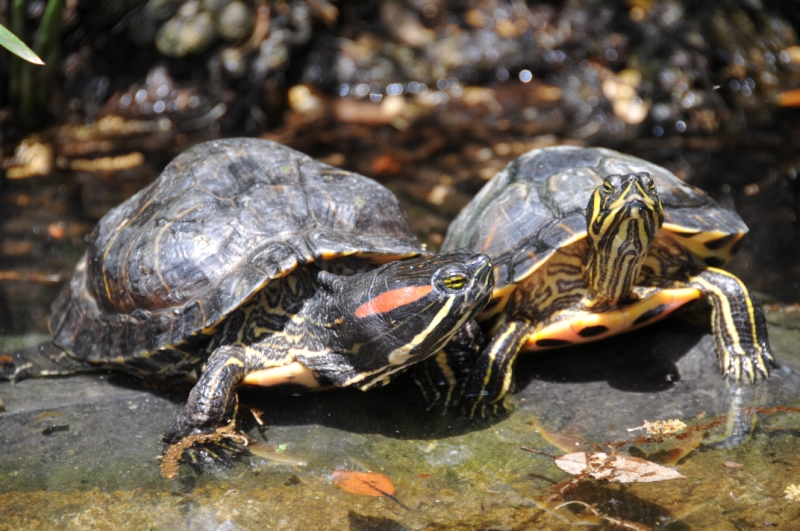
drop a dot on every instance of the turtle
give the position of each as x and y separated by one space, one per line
587 243
249 263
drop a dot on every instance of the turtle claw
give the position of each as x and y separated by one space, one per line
491 412
203 451
435 392
748 367
483 409
209 456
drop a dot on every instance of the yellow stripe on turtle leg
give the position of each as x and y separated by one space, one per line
433 373
491 380
726 335
448 375
443 377
739 326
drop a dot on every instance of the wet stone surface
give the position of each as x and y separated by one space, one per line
80 452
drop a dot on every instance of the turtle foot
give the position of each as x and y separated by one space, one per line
439 395
204 451
746 361
44 359
488 411
750 367
8 368
443 377
185 428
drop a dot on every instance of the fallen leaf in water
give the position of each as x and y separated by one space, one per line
731 464
363 483
618 468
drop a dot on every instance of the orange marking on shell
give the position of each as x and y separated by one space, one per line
390 300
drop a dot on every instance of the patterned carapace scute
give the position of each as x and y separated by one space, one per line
536 205
222 220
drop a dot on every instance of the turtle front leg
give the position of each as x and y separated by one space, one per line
443 377
492 375
212 402
738 324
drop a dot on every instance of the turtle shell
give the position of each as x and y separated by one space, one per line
536 205
222 220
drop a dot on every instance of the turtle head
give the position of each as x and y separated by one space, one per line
622 219
405 311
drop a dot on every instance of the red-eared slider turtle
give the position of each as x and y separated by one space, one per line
249 262
588 242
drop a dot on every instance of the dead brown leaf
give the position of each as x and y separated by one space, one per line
617 468
363 483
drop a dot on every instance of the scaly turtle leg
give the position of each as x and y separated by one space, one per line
443 377
45 359
212 402
739 326
492 374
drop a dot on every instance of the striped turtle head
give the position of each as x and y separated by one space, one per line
623 216
406 311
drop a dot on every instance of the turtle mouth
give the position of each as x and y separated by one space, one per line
634 203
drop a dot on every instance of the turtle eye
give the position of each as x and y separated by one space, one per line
452 279
607 188
647 180
454 282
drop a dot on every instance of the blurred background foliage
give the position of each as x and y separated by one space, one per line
615 68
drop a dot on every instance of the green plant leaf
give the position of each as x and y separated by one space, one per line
10 41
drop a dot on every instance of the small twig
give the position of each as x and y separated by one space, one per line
398 502
534 451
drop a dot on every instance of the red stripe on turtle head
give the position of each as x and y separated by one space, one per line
391 300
